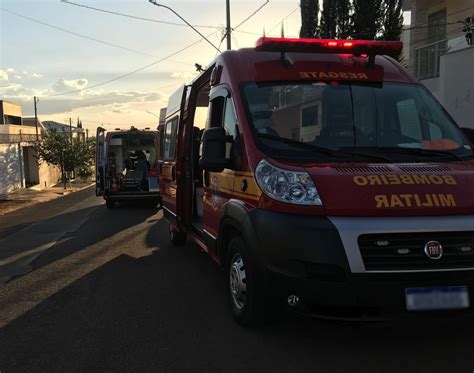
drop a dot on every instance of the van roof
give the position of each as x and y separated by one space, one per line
244 64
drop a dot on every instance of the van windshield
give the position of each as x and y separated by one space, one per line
389 122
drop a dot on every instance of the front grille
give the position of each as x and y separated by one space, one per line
362 169
406 251
425 168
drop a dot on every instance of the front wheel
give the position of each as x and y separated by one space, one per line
177 238
246 285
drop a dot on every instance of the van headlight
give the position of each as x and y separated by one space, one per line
287 186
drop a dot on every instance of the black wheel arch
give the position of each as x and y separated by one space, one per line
234 221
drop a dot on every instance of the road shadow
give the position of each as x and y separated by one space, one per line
101 225
20 219
47 240
168 312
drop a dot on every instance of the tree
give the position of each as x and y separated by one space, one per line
328 20
367 19
85 170
343 18
56 148
392 21
309 18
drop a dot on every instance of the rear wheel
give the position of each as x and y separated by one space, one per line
246 285
109 203
177 238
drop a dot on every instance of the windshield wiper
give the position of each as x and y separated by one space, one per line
303 145
420 151
320 149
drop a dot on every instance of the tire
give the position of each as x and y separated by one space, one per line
177 238
109 203
245 285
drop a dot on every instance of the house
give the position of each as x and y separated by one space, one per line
65 128
440 54
19 167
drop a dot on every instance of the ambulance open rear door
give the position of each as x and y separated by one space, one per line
100 162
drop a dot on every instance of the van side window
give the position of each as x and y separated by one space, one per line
171 128
230 120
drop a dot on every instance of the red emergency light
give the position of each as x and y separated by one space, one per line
354 47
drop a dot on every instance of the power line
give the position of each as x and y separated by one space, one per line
428 38
242 22
131 72
284 18
252 14
184 20
77 34
180 62
448 15
135 17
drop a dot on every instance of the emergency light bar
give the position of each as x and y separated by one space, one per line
355 47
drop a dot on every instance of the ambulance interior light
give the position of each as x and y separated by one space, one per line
355 47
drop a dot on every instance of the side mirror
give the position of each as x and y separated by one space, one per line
469 133
214 144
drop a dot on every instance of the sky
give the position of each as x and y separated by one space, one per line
39 60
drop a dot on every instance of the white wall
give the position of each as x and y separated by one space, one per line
48 175
457 85
433 86
11 173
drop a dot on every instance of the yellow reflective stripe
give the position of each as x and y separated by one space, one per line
252 187
230 182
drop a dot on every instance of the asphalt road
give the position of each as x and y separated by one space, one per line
113 295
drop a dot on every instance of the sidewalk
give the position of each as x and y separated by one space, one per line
27 197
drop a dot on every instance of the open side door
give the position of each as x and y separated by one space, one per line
100 162
170 148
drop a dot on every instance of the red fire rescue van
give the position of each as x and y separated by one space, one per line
327 177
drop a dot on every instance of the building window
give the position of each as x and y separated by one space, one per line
428 56
437 26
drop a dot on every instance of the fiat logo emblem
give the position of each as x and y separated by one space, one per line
434 250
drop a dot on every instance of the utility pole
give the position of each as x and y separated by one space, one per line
70 130
36 118
70 134
229 29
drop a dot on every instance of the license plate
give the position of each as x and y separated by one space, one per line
439 298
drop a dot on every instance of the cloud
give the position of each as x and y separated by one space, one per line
3 75
183 75
114 98
67 85
17 91
117 101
